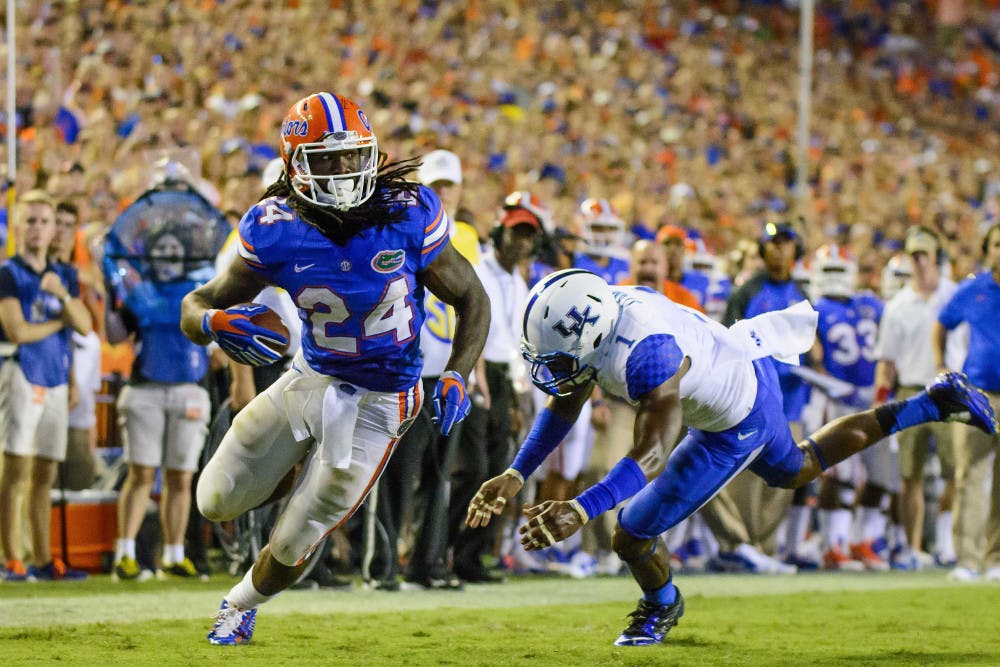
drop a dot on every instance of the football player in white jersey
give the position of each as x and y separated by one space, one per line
679 367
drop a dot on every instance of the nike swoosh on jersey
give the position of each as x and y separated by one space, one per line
300 269
744 436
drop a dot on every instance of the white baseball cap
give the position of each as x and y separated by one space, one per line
440 165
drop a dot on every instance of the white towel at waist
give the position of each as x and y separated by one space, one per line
782 334
326 409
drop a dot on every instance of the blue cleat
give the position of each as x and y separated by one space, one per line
958 401
232 625
651 623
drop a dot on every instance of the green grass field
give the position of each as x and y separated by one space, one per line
918 619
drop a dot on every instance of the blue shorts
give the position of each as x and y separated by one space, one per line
704 462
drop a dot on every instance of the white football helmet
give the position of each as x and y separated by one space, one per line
602 231
835 272
895 275
568 317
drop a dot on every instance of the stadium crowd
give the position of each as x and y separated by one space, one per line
651 144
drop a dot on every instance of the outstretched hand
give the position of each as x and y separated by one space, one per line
491 499
550 522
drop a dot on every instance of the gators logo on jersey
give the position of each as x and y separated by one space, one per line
388 261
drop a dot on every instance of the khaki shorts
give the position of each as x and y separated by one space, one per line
33 419
915 443
164 424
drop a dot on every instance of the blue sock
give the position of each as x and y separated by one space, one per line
663 596
919 409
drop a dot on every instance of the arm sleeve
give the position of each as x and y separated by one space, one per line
654 360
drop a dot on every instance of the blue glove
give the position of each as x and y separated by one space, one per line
240 338
451 401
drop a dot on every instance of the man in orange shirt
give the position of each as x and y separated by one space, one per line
650 269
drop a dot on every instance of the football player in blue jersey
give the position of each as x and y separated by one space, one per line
678 367
355 244
39 300
604 239
847 329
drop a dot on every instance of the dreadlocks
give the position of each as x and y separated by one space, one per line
379 210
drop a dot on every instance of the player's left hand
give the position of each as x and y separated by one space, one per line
550 522
451 401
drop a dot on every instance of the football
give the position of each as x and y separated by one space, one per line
271 321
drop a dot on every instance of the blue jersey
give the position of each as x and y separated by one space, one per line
615 273
361 303
163 353
847 330
762 295
46 362
977 301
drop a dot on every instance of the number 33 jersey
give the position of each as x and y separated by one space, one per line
361 304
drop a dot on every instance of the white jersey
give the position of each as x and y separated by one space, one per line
720 388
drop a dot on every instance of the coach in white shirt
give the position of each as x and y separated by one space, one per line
905 364
489 432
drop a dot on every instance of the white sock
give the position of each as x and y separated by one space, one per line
797 524
173 553
244 596
942 532
899 536
873 521
840 528
124 548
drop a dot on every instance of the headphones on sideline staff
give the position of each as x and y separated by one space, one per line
773 230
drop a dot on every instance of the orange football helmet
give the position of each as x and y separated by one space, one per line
330 151
602 231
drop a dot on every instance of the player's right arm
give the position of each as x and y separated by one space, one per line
237 284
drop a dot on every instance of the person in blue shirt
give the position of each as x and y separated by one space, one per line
355 244
39 301
163 410
976 302
772 288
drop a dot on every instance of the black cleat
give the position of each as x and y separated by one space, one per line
651 623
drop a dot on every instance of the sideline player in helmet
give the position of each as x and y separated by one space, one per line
678 367
355 244
604 237
848 326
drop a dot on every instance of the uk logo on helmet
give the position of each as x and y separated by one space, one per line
577 321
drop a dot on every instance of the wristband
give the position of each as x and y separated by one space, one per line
515 474
550 428
624 481
206 321
882 394
578 508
